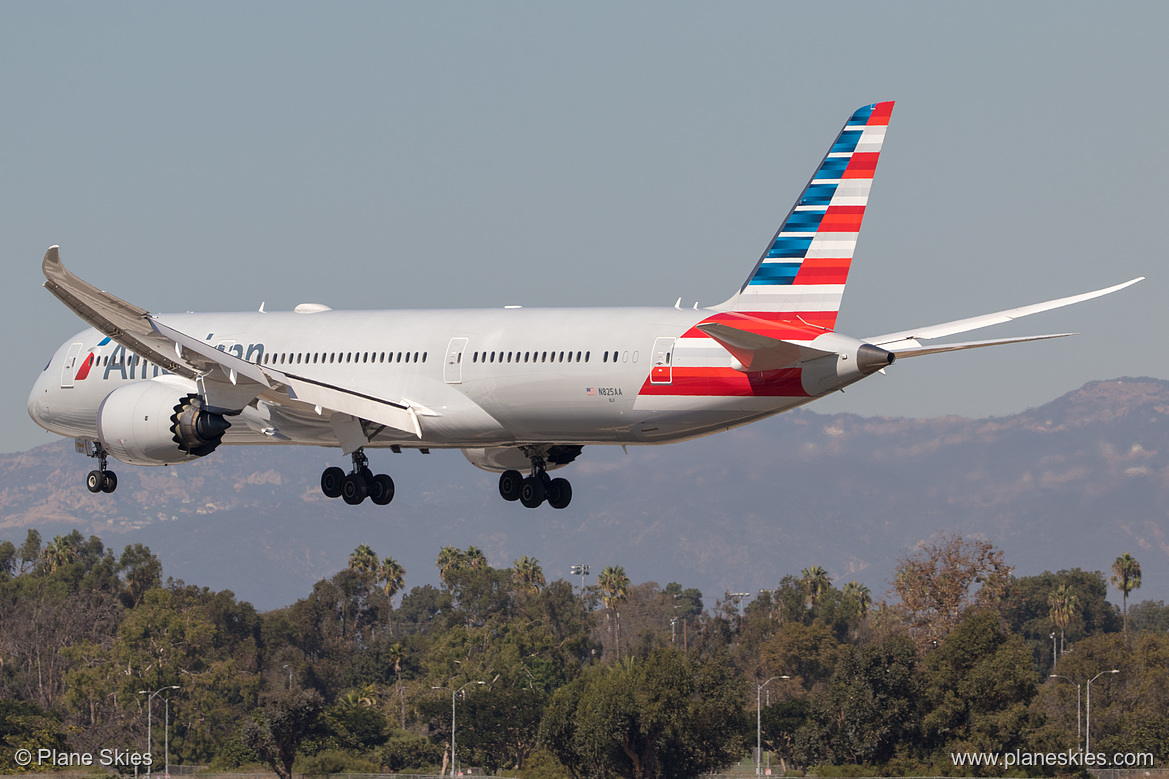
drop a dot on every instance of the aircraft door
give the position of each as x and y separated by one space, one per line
663 358
69 368
452 369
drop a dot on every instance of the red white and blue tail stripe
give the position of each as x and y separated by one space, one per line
804 269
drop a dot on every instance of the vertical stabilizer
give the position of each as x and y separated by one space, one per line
805 266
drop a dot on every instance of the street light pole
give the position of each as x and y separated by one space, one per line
453 694
759 721
1088 727
1079 730
149 701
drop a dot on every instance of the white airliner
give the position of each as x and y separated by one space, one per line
520 391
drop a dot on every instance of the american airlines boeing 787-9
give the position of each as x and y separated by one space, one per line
519 390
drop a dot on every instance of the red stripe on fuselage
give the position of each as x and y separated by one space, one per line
85 366
727 383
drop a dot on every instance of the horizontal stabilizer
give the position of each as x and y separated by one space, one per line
757 352
910 338
917 351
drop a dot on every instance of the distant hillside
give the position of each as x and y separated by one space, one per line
1075 482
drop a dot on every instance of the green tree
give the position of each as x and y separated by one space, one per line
859 593
364 560
527 574
392 576
664 714
1126 577
869 708
815 582
613 583
277 730
1064 605
978 685
24 725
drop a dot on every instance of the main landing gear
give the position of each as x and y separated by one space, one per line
101 480
358 484
535 489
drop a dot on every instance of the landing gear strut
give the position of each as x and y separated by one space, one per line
101 480
359 484
535 489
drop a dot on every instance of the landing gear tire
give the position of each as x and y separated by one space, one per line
331 481
354 489
381 489
559 493
510 484
532 492
111 482
95 481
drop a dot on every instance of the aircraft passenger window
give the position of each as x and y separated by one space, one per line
635 356
544 357
605 357
578 356
625 357
586 356
667 358
424 357
570 356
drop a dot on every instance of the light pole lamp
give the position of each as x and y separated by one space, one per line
1088 724
581 570
1079 730
759 721
454 692
148 712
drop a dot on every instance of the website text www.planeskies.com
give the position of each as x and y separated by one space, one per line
1069 759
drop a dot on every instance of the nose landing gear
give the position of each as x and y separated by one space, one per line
359 484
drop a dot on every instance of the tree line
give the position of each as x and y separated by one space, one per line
546 679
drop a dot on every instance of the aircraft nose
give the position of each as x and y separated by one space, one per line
38 406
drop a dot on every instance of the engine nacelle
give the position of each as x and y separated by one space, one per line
156 423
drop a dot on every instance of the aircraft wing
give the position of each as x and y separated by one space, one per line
906 343
124 322
180 353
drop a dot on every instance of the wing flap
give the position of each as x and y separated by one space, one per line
398 415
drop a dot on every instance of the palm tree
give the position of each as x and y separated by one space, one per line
527 574
392 575
815 582
58 553
1126 575
394 654
861 594
1064 605
363 560
450 559
614 586
475 558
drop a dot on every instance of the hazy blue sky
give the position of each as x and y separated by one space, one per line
210 156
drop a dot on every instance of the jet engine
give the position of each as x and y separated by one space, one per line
156 423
